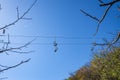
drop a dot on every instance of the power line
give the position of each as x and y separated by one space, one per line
52 37
52 43
64 37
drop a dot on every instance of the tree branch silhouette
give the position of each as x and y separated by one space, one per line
99 21
19 17
14 66
5 43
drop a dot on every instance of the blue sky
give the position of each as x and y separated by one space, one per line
53 19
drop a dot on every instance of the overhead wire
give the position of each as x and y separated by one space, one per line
52 37
62 37
52 43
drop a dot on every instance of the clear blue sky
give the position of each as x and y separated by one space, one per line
53 18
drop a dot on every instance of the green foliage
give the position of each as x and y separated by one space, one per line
103 66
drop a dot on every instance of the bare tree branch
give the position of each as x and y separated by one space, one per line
8 42
19 17
110 3
27 18
101 1
17 12
22 62
3 78
16 48
108 43
89 15
116 39
5 43
102 18
3 66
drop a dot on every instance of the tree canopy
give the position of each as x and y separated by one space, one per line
103 66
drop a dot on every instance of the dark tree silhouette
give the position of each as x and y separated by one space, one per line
107 6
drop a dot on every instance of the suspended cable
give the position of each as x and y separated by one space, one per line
53 44
52 37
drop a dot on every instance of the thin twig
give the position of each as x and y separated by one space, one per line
19 18
17 48
101 1
101 20
27 18
95 18
3 66
3 78
108 43
8 42
116 39
22 52
22 62
17 12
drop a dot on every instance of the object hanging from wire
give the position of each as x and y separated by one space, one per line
55 44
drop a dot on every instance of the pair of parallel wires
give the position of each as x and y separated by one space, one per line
55 42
